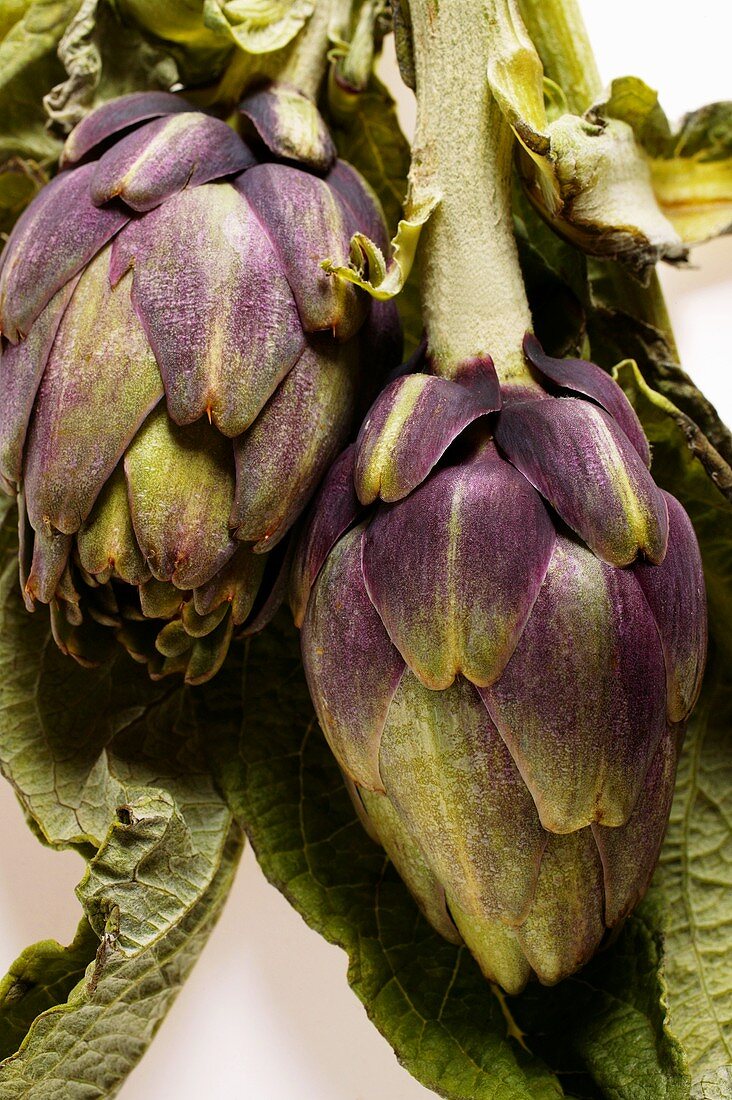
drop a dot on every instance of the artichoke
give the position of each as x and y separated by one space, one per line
503 652
177 370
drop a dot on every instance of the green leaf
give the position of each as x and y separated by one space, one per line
626 320
104 57
29 68
695 875
691 167
42 977
112 764
88 1045
369 136
714 1086
596 1036
258 26
58 60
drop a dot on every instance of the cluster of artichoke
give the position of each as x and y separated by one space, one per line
503 617
178 372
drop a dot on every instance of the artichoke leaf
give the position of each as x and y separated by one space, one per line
693 881
691 167
108 763
369 268
97 70
258 26
585 175
29 36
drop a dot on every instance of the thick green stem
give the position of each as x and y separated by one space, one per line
560 36
307 65
473 294
356 66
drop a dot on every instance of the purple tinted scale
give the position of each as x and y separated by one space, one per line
582 702
629 854
351 683
215 306
675 591
269 111
285 198
281 459
58 234
155 162
455 567
585 466
21 370
587 378
430 414
336 507
116 117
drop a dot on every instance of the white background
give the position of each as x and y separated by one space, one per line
267 1013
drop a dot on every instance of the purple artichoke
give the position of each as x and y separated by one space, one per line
503 652
177 370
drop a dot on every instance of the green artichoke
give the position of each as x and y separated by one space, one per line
504 633
177 371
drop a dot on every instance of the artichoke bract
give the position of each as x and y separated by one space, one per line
177 371
504 632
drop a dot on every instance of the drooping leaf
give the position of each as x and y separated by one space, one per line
626 320
112 764
691 167
255 26
87 1045
449 1028
58 59
41 977
695 876
104 57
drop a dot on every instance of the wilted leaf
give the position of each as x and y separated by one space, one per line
691 167
695 876
29 68
110 763
104 57
625 320
87 1045
258 26
42 977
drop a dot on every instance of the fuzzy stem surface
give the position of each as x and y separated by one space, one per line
473 296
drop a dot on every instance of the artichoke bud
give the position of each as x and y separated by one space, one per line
290 126
178 378
504 633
